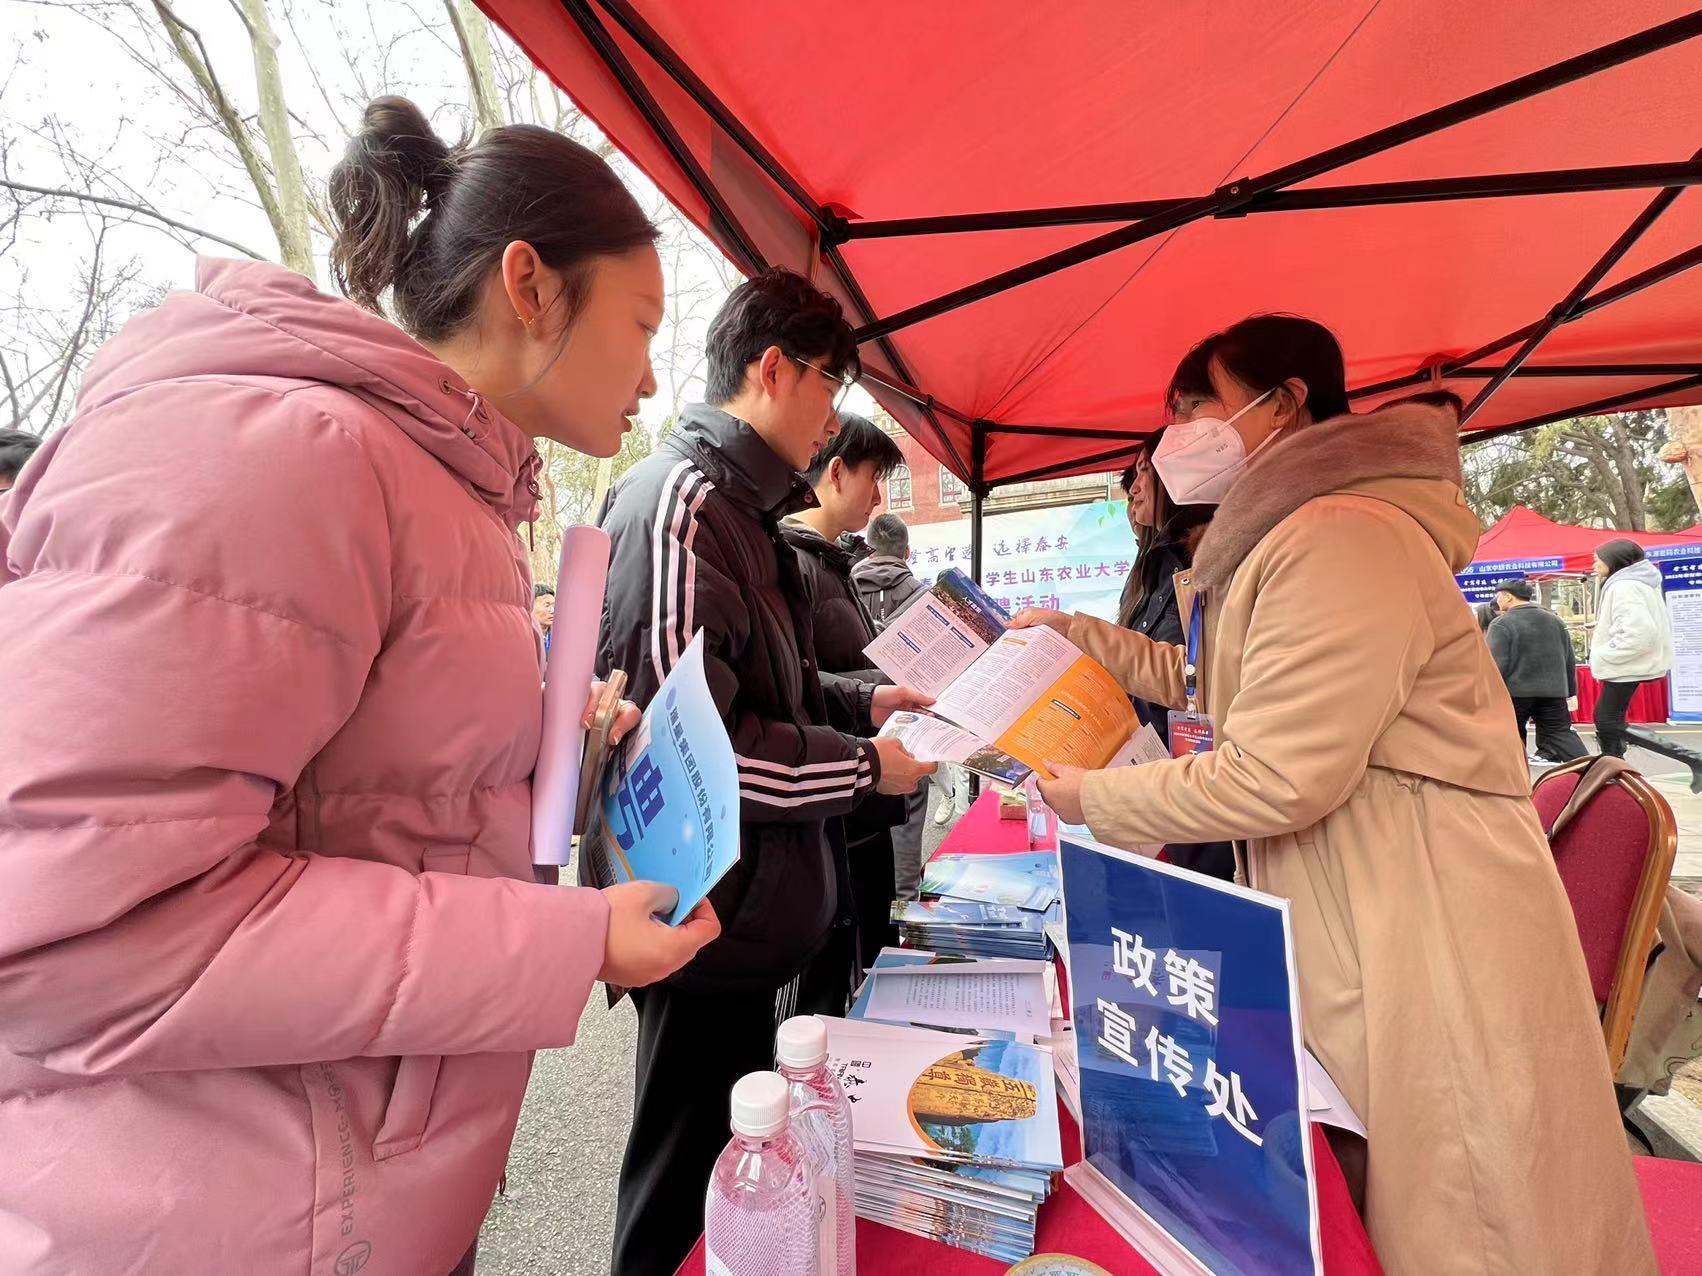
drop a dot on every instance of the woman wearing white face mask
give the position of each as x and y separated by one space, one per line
1354 749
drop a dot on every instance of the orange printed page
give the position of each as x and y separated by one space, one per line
1082 719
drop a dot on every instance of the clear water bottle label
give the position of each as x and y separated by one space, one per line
827 1224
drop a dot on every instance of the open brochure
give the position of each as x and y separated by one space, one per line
1006 701
666 806
947 1097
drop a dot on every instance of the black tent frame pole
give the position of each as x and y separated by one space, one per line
1083 463
616 62
1565 181
1612 403
1247 189
1579 291
1659 272
977 496
660 52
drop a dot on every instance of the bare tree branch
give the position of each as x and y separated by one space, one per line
129 206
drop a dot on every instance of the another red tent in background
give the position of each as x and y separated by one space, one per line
1522 533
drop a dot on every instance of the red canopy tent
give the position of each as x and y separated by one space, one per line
1033 210
1523 533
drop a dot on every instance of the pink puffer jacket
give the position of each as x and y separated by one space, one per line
268 982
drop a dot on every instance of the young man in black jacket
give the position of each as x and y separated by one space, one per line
1533 650
697 547
846 478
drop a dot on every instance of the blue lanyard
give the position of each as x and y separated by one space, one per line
1191 667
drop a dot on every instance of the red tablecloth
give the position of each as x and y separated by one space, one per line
1649 704
1067 1223
980 831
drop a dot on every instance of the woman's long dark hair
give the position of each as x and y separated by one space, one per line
1169 531
1618 554
428 223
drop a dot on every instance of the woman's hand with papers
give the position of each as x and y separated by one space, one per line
642 948
1063 794
1033 617
890 700
900 770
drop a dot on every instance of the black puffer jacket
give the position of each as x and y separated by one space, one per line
886 585
843 629
697 546
842 626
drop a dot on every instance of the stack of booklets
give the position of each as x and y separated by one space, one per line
956 1136
1002 997
965 928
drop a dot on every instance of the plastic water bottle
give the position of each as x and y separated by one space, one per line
821 1120
759 1218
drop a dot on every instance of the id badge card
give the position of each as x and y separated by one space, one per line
1191 732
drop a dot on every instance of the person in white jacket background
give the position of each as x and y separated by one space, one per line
1632 645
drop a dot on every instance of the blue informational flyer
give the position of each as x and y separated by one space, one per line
1188 1042
667 804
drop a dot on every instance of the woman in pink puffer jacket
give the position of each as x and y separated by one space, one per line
272 962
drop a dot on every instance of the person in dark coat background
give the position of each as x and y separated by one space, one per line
846 478
1165 536
883 579
1533 650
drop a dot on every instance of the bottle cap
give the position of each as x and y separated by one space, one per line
761 1101
801 1042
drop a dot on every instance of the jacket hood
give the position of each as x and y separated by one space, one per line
802 536
1407 455
1642 571
255 319
880 571
739 461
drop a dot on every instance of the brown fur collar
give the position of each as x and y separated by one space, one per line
1412 440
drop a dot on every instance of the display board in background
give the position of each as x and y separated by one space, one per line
1681 576
1070 557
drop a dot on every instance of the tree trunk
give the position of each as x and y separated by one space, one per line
295 243
1630 481
1684 426
473 36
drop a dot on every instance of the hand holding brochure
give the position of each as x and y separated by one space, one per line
667 807
1029 694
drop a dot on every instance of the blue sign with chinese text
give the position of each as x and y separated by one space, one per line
1187 1029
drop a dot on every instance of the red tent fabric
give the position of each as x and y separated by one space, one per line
794 133
1523 533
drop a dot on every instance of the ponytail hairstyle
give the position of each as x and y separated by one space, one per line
427 223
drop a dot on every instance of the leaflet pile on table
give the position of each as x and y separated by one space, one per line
956 1135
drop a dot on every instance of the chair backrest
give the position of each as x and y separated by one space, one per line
1614 857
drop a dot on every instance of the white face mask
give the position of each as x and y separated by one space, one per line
1199 460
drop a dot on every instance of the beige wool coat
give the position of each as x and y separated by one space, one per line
1365 763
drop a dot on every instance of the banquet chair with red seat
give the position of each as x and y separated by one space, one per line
1615 855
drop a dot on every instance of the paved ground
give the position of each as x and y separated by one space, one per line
557 1218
